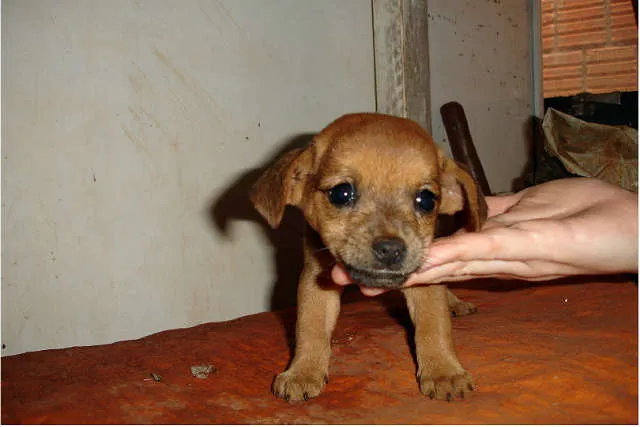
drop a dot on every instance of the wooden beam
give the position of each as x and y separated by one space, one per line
401 52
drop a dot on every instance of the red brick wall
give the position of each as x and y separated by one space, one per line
589 46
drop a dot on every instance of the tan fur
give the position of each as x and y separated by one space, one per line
388 160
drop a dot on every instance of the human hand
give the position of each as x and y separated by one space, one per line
559 228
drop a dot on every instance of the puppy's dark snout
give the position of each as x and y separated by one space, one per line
389 251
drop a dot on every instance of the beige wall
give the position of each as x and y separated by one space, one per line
127 123
480 56
123 123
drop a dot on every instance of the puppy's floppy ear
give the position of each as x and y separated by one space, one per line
282 184
460 191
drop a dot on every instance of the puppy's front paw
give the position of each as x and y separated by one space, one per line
299 384
446 387
463 308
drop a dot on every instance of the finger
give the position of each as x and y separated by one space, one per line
499 243
436 274
532 270
340 276
497 205
463 278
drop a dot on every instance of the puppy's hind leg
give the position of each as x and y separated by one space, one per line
440 373
459 308
318 309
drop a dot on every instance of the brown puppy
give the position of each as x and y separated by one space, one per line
370 186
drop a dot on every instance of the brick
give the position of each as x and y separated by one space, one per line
548 6
571 15
568 72
553 88
612 54
547 44
548 32
624 35
586 26
583 49
578 4
582 40
611 83
623 21
562 58
621 8
612 69
547 21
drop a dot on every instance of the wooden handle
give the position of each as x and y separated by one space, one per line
462 148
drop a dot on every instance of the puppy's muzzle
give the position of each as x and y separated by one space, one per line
390 253
386 268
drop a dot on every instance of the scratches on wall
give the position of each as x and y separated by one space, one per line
228 14
195 91
167 63
143 115
138 144
137 83
140 81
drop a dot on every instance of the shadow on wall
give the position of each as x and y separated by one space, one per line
534 145
234 204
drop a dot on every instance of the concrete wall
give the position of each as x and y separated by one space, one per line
480 56
131 130
128 129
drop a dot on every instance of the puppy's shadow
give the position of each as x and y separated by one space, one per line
234 204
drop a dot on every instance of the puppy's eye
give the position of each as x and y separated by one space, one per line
425 200
342 194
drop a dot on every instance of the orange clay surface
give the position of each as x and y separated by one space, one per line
557 353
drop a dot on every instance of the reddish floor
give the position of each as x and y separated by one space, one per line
565 353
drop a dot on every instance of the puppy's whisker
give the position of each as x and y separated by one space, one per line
318 250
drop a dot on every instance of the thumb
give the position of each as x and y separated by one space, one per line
340 276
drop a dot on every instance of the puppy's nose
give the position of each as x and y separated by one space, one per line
390 251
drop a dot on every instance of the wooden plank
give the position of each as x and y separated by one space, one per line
401 52
416 62
388 45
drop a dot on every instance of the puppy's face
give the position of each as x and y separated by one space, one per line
371 186
375 200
